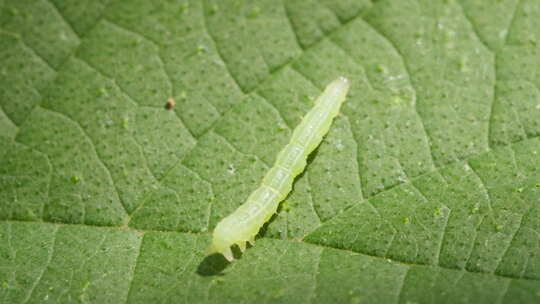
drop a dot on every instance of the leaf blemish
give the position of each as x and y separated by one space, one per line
170 103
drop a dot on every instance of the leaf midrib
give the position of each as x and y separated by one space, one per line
144 231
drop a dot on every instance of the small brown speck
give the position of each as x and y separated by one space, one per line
169 104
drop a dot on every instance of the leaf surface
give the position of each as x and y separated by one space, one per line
425 190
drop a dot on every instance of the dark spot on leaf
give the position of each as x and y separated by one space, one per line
169 104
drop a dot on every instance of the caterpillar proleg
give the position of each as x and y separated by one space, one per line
244 223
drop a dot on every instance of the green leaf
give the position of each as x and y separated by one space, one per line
426 189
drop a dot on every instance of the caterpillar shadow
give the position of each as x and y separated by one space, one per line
215 264
212 265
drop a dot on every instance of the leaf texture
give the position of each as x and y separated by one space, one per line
425 190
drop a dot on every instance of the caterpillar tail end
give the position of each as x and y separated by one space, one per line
224 247
227 253
224 250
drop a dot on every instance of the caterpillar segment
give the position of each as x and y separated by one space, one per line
244 223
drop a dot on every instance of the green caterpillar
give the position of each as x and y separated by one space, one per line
244 223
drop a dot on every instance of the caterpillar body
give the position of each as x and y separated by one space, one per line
244 223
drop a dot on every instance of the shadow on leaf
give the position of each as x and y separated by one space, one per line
212 265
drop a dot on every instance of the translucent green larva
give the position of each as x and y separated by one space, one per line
244 223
